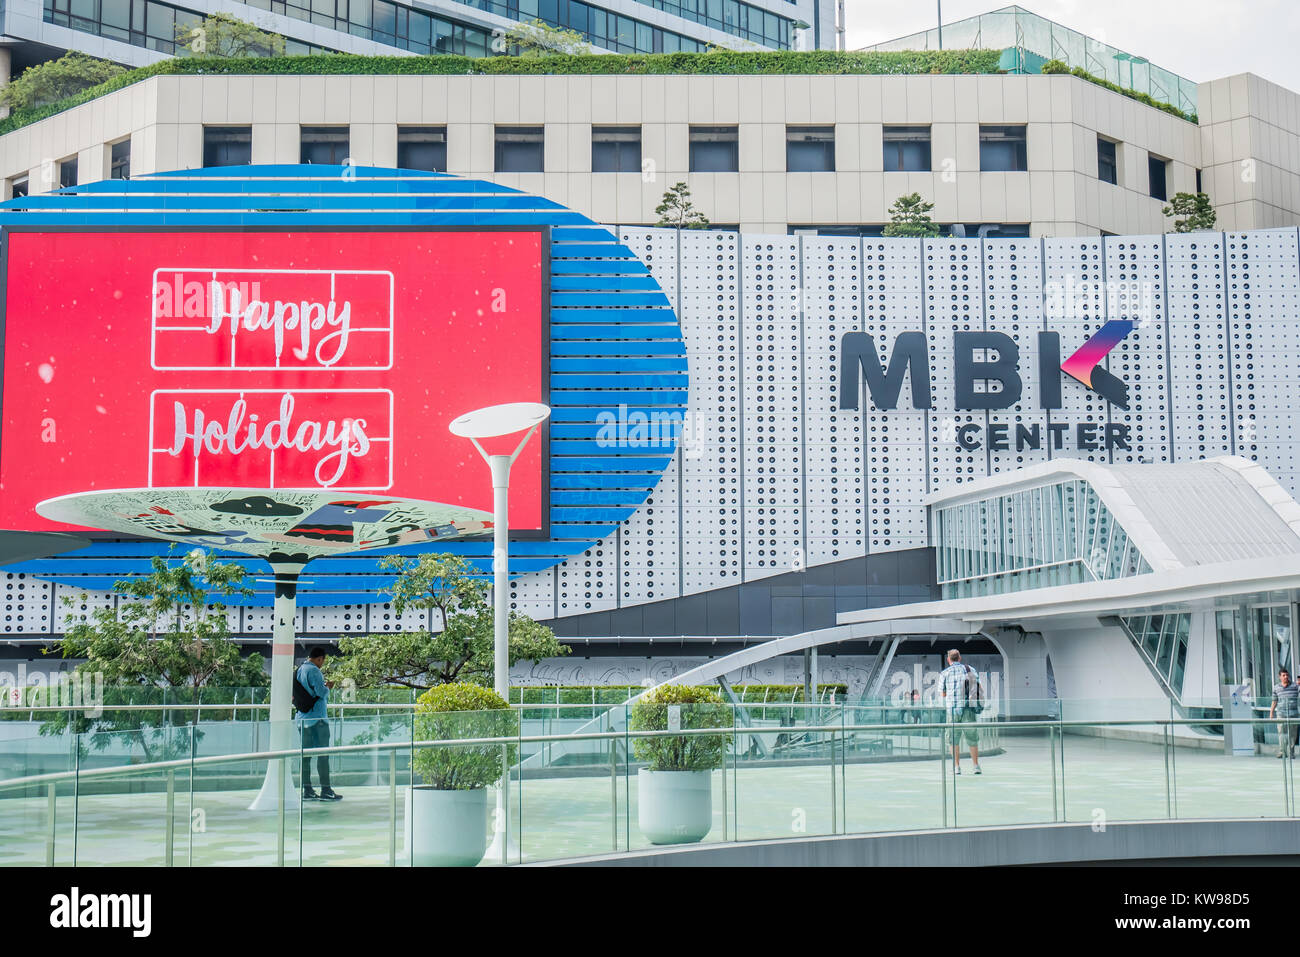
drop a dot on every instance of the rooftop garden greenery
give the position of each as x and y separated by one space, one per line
1060 66
716 62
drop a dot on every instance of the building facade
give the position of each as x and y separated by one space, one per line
998 155
144 32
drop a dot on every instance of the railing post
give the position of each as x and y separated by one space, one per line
51 809
76 792
279 826
1169 807
392 807
1051 735
613 779
171 817
834 806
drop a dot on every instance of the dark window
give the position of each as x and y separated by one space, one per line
616 149
422 147
120 161
1002 149
1107 170
227 145
810 149
868 229
1198 182
18 186
68 173
323 145
520 149
715 149
1158 169
907 149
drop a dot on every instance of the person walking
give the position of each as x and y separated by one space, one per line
959 688
1286 705
312 721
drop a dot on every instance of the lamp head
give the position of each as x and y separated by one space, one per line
496 420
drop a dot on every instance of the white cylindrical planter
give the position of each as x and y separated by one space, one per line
674 807
448 828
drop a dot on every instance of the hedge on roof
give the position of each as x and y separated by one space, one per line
1061 67
810 62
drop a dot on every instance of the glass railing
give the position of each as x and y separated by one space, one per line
416 789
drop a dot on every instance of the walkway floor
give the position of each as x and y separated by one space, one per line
1097 780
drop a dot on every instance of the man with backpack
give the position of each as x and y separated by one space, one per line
310 695
959 685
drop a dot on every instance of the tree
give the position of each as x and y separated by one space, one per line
910 216
54 80
163 643
221 35
678 212
1196 210
538 39
463 651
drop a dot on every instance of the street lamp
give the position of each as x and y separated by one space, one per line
493 422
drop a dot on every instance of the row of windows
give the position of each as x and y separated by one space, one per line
1157 169
730 16
65 171
155 25
1002 149
141 23
617 149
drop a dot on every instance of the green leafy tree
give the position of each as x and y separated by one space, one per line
53 80
701 707
1196 210
163 644
910 216
462 651
221 35
457 711
537 39
678 212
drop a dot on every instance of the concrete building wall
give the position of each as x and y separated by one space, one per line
1058 195
1250 144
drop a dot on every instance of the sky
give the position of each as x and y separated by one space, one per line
1198 39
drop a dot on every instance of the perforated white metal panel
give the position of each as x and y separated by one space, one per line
894 451
1074 304
1263 303
1013 306
1198 345
1135 280
773 418
835 494
708 471
28 605
954 301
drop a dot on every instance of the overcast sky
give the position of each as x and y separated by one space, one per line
1198 39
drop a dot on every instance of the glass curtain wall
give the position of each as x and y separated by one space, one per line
1057 534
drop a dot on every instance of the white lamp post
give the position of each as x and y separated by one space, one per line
493 422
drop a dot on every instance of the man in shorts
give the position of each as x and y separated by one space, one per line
959 687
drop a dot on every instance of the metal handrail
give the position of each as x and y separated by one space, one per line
177 763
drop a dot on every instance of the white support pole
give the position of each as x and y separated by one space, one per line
500 465
278 783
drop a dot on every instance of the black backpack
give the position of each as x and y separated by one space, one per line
975 702
303 700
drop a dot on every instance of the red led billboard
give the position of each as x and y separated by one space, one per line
268 359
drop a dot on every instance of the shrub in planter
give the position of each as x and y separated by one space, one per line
449 811
675 797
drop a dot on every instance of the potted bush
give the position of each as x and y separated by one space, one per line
448 812
674 789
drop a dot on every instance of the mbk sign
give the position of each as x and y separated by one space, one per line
884 381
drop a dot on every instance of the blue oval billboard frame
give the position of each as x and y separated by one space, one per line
616 344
